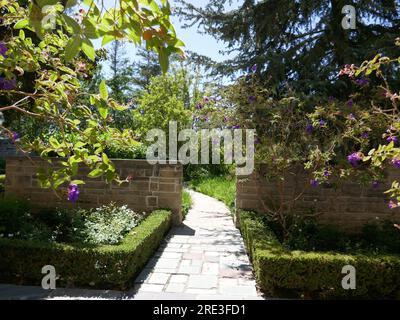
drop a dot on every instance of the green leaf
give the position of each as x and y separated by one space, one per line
73 47
95 173
21 24
88 49
103 90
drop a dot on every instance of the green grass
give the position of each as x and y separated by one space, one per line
187 203
221 188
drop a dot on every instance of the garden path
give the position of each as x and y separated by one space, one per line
203 259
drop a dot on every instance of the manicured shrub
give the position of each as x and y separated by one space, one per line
281 272
100 266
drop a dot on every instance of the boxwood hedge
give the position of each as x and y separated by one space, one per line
103 266
285 273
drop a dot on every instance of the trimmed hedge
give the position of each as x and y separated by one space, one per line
281 272
105 266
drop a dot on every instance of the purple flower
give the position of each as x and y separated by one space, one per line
393 139
199 106
396 163
365 135
309 128
393 204
236 127
327 173
206 99
6 84
196 119
206 119
331 98
257 141
73 193
375 184
314 183
252 99
350 103
254 68
226 119
354 159
3 49
362 82
352 117
322 123
142 112
15 137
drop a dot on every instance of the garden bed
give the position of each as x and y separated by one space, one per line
285 273
84 265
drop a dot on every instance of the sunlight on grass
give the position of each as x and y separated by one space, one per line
221 188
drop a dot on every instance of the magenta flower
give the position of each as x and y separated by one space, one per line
350 103
73 193
15 137
3 49
362 82
252 99
354 159
314 183
396 163
393 204
365 135
309 128
6 84
393 139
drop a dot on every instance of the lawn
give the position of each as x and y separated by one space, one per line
222 188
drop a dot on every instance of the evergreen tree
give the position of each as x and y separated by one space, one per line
121 77
300 42
145 67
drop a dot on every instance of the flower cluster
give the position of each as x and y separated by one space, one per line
73 193
355 159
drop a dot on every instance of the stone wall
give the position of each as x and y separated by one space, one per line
152 186
346 205
7 148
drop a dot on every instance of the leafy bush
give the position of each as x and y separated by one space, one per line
282 273
187 203
105 225
102 266
120 152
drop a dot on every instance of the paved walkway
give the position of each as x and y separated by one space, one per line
203 259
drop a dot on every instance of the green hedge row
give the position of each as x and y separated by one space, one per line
281 272
105 266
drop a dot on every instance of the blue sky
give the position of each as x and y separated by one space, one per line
194 41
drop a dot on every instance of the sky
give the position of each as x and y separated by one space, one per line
200 43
